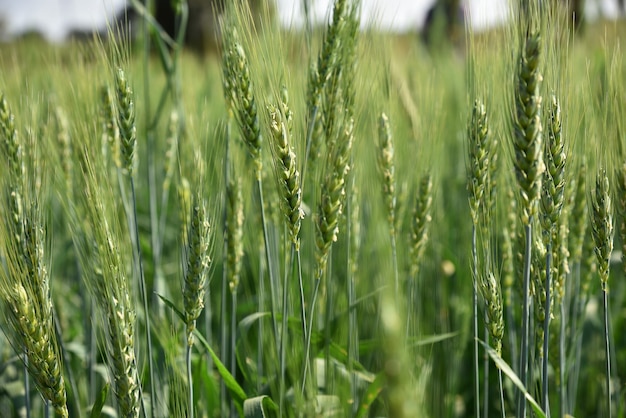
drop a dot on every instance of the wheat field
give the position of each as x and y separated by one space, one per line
334 223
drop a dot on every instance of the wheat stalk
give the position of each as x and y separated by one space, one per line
198 261
420 224
126 121
286 170
552 200
239 93
24 278
110 128
477 178
387 169
602 231
529 167
104 259
479 158
332 198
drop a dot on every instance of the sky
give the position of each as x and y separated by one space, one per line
56 18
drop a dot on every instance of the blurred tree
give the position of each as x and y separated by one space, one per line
203 26
444 25
577 13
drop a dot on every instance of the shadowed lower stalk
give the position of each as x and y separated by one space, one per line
268 257
602 229
233 243
353 232
26 388
224 298
529 167
227 239
545 400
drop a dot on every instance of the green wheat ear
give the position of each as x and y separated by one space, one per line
553 191
234 232
602 226
239 92
527 138
387 168
332 198
492 293
198 263
286 170
24 276
420 224
126 121
478 135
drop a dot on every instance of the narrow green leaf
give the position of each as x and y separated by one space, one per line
173 307
259 407
96 409
508 371
238 394
368 346
370 396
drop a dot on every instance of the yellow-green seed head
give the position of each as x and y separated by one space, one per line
126 121
387 168
602 225
527 139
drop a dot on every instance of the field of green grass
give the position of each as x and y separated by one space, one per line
337 223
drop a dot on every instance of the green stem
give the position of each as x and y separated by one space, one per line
26 387
523 369
225 287
352 343
260 344
224 330
394 260
545 401
150 152
307 355
302 300
486 369
562 363
605 304
268 258
475 314
283 332
233 340
189 381
511 332
327 325
92 355
579 309
144 296
66 358
501 390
